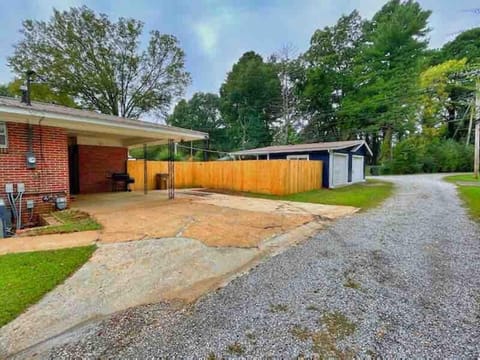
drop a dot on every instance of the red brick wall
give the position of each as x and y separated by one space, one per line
50 177
95 163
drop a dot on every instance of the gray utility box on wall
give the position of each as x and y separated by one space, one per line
3 219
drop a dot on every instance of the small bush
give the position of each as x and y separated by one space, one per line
157 152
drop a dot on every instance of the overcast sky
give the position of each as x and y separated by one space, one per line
215 33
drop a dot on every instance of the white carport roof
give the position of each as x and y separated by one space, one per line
130 132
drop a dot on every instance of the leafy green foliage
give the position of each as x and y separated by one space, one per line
287 126
386 72
438 83
5 91
158 153
329 78
250 99
90 58
42 92
26 277
465 45
202 113
419 154
461 92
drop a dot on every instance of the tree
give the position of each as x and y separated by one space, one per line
250 99
465 46
42 92
4 90
99 62
329 78
387 71
289 69
202 113
438 83
461 90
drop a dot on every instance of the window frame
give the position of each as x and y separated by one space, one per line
3 125
299 157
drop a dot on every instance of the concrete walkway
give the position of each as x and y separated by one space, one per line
47 242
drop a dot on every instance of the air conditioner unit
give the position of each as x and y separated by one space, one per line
3 219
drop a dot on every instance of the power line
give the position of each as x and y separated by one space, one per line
200 149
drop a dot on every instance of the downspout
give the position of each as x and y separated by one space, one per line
330 168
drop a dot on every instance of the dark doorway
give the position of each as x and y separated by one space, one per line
73 166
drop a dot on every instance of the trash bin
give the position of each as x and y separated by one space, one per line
161 181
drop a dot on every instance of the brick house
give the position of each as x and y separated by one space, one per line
58 151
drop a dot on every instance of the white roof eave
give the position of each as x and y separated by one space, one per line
71 122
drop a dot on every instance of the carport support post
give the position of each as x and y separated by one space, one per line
207 148
171 169
145 182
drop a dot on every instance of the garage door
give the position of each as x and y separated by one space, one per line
340 169
357 168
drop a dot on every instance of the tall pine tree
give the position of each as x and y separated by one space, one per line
250 99
387 70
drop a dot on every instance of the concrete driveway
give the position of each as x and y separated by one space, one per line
214 219
153 250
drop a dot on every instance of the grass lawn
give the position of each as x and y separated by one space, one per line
26 277
70 221
364 195
469 194
461 177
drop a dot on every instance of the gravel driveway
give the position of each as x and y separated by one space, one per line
399 281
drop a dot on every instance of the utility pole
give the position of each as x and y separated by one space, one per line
477 149
476 164
471 109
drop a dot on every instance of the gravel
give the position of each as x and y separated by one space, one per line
399 281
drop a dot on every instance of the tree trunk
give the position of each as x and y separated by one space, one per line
386 149
451 122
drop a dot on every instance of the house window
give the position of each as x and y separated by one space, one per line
3 136
298 157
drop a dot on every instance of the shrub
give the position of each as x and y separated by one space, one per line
156 152
420 154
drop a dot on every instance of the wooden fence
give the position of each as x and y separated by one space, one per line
277 177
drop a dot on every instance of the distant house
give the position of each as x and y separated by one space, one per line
343 161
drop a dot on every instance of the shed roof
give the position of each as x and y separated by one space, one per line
132 131
322 146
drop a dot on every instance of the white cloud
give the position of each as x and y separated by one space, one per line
208 37
209 29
